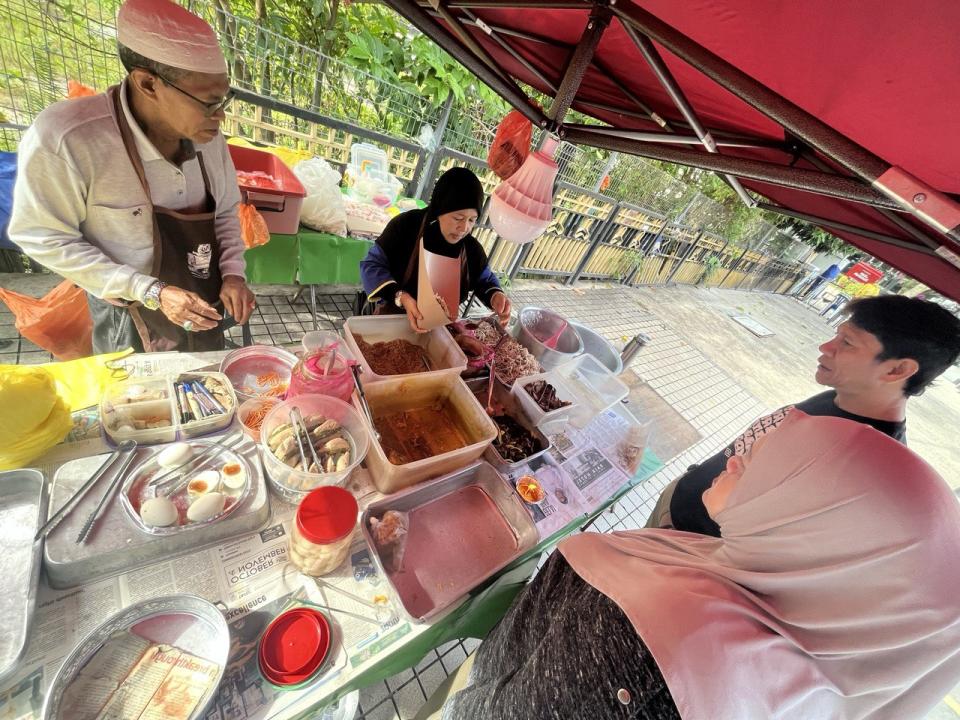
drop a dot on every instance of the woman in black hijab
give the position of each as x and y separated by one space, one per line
390 270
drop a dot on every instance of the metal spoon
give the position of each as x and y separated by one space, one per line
111 489
363 400
69 505
383 614
296 419
493 365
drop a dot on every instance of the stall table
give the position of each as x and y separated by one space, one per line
250 576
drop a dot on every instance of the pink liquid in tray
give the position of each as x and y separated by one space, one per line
452 543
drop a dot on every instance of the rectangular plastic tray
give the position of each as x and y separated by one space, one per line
414 391
537 416
280 207
443 561
506 399
443 353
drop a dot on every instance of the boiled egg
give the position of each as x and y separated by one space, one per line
234 476
174 455
158 512
203 482
206 507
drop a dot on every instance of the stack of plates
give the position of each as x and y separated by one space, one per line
294 646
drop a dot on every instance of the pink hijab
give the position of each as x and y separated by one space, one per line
833 593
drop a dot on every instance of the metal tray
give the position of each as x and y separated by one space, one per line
189 623
23 509
463 529
505 398
116 544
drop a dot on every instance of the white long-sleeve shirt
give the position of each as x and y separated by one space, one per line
80 210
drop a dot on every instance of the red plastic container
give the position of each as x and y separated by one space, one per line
294 646
280 207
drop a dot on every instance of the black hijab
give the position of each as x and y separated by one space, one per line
457 189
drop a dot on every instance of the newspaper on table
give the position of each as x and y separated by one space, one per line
252 578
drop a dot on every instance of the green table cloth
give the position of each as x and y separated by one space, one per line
309 257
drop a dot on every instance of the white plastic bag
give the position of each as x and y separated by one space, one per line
323 206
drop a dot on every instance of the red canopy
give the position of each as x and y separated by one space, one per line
844 113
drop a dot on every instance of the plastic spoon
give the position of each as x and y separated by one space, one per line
551 342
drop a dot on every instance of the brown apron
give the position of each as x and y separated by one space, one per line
390 308
186 254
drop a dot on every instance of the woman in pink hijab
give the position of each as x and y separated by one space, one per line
832 593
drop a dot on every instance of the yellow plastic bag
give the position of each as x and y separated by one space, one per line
33 417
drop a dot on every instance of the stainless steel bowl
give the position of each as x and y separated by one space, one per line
187 622
598 346
537 325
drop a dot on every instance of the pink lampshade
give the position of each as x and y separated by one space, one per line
522 205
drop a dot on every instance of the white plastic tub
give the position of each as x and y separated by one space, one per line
443 353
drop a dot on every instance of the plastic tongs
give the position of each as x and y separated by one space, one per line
382 613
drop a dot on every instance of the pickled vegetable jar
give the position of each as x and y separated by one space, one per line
323 530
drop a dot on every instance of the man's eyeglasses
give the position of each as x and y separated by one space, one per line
209 108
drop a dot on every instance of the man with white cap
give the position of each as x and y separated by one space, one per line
132 194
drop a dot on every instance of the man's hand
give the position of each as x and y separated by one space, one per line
180 305
501 306
238 299
413 312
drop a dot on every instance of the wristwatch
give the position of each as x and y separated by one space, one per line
151 298
396 299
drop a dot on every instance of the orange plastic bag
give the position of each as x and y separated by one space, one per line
77 89
253 228
59 322
510 145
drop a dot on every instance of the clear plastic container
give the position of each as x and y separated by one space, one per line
292 484
442 351
366 157
323 530
537 415
212 423
139 409
264 405
417 391
585 381
310 377
258 371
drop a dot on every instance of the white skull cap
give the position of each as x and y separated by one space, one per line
167 33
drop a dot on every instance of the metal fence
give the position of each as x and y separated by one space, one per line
645 227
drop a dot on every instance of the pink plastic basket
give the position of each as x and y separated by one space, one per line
280 207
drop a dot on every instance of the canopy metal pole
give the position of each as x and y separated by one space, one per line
493 35
507 89
933 207
676 94
674 139
826 222
797 178
578 64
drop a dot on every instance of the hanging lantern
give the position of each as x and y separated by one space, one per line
522 205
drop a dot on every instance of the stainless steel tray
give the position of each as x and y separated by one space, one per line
116 544
189 623
502 396
439 568
23 509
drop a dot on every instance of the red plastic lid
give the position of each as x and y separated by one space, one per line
294 646
327 514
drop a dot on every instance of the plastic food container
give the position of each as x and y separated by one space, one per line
292 484
212 423
443 353
417 391
585 381
252 405
538 416
280 207
141 410
258 371
323 530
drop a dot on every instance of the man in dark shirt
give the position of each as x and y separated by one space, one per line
889 349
